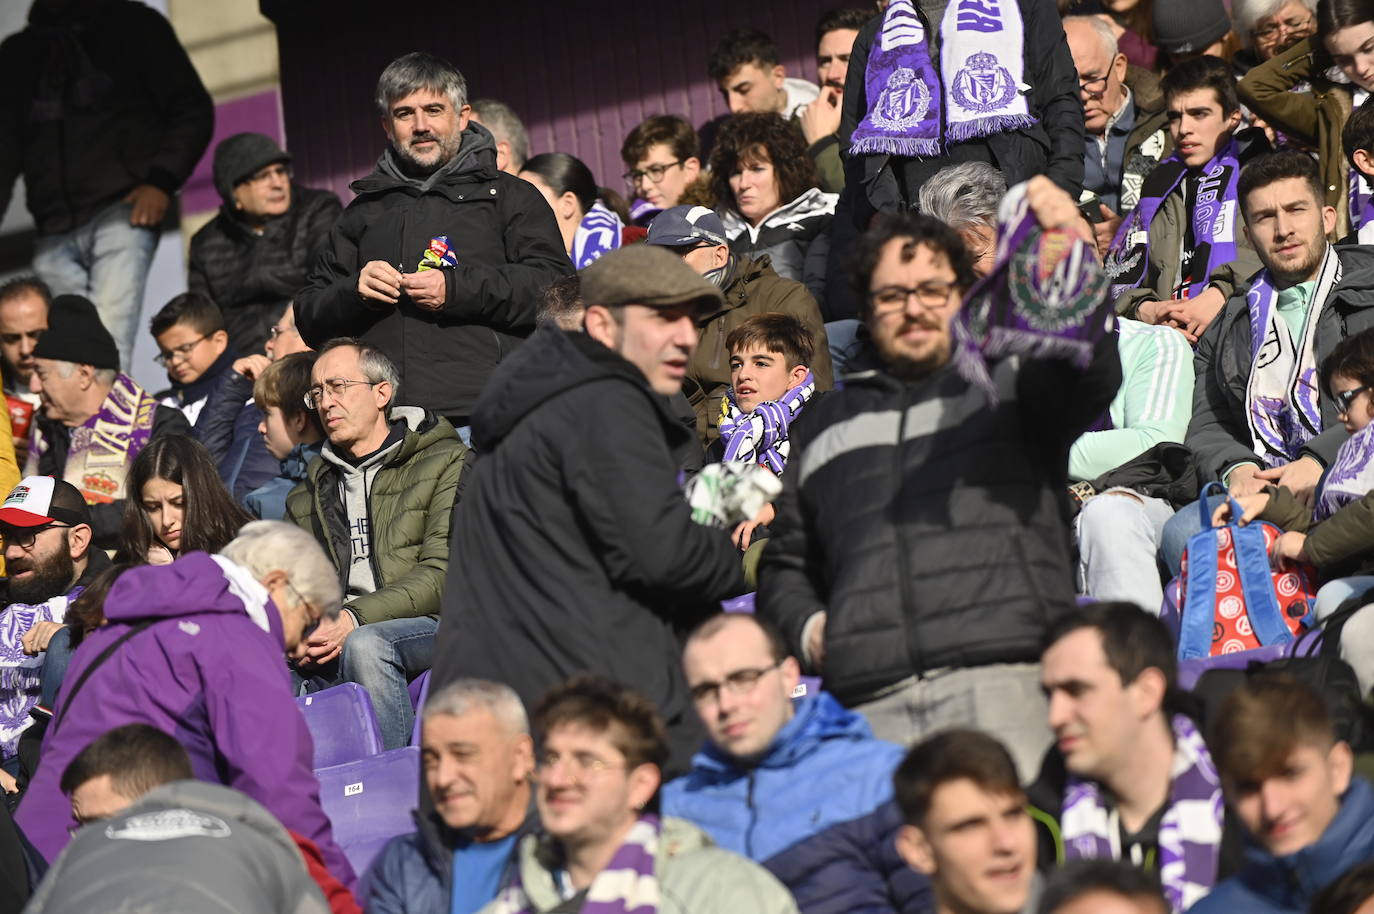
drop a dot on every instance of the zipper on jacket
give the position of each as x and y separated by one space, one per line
371 530
903 570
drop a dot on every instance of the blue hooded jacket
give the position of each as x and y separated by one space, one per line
1285 885
815 810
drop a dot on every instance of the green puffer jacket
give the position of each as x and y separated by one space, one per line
410 502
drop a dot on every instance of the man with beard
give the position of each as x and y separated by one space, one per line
820 120
441 259
46 527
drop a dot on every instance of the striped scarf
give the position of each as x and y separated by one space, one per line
598 233
760 436
627 885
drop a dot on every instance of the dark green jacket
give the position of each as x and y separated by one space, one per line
410 503
1344 541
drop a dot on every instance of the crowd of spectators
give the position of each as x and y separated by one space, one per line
798 524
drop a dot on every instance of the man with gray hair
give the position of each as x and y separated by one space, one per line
512 140
195 648
440 259
378 498
1125 123
965 197
478 763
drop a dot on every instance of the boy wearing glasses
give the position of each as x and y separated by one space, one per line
193 346
780 777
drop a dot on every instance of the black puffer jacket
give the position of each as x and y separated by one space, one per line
573 548
929 526
96 97
252 277
1219 433
508 248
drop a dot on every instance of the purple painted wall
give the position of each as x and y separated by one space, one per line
580 74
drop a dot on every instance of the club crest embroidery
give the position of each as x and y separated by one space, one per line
1051 286
904 103
983 85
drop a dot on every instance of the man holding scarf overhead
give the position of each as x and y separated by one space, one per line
1180 254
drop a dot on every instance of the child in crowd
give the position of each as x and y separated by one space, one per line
193 346
1358 140
176 504
291 431
770 382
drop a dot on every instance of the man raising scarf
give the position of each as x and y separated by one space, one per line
1180 253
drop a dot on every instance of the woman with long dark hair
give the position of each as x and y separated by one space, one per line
176 504
593 219
1338 62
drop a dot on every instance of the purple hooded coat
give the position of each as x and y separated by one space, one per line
211 672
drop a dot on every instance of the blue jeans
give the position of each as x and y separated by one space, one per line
55 660
844 344
107 261
1180 528
383 657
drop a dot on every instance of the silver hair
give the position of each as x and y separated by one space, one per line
376 367
1245 13
1104 32
466 695
264 546
415 71
103 376
964 196
502 121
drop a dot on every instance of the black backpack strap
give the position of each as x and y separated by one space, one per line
95 664
1333 625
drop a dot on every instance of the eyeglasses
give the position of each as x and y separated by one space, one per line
179 353
740 682
24 537
1273 31
1094 88
1347 397
276 331
336 387
932 295
579 765
316 617
654 173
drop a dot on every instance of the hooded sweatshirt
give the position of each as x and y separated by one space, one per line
210 671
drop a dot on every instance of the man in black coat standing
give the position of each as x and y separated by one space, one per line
573 547
441 260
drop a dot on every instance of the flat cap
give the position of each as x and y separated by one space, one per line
642 274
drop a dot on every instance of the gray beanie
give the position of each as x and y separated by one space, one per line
1189 26
239 157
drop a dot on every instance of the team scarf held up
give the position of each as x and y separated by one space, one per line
628 884
1044 297
980 90
1351 476
1189 834
599 232
1281 396
1214 225
760 436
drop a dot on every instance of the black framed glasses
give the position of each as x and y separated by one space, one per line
654 173
1094 88
740 682
933 296
25 537
336 387
1347 397
180 353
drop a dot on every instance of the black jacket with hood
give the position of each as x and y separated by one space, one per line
573 548
508 249
96 97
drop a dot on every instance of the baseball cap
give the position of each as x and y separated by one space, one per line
39 500
686 225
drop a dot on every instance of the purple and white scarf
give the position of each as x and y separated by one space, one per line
1215 225
599 232
1281 396
1351 476
1189 834
1044 297
20 674
105 445
978 92
761 436
628 884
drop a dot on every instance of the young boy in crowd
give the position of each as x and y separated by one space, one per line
193 345
292 432
770 383
1290 780
1358 140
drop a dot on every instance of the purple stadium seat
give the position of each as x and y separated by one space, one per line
809 685
419 691
1190 671
342 724
369 802
744 604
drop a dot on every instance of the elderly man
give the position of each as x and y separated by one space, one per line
95 419
568 558
378 499
195 648
478 763
440 259
512 140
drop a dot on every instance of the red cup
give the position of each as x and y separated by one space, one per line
21 417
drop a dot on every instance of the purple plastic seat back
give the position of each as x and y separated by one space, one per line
742 604
342 724
809 685
370 801
419 691
1169 612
